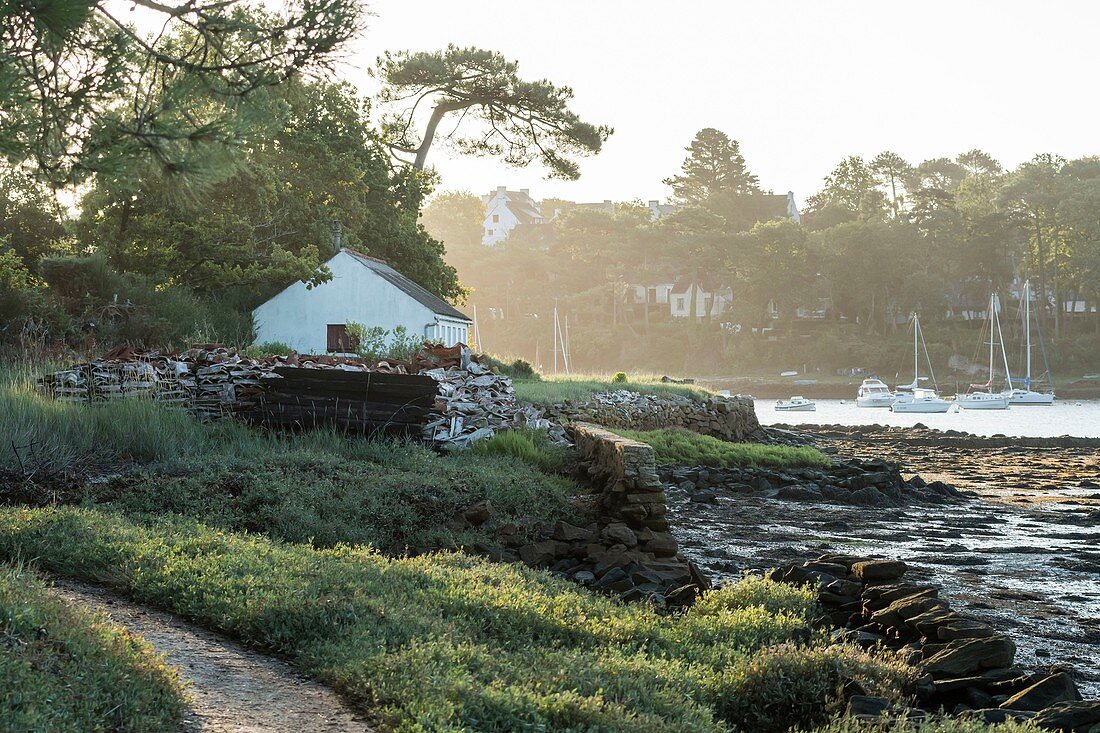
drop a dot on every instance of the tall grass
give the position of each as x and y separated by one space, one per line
679 447
579 387
68 670
448 642
530 446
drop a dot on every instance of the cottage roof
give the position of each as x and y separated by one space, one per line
435 304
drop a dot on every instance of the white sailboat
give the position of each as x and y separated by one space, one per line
919 399
982 396
874 393
1027 396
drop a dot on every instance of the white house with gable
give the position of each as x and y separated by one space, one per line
505 210
362 290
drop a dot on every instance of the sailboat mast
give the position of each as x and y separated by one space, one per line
916 349
1027 331
992 315
1004 353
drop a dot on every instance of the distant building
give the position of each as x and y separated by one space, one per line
778 206
657 209
709 300
505 210
362 290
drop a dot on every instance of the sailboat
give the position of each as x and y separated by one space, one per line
982 396
1027 396
919 399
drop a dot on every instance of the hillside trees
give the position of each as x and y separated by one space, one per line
714 166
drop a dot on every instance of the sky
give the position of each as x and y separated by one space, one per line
801 83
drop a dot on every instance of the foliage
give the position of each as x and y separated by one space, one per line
680 447
714 166
129 100
530 446
619 378
447 642
375 343
68 670
936 725
267 348
579 388
520 121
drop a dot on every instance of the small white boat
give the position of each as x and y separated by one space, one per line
796 404
981 401
874 393
920 400
1028 397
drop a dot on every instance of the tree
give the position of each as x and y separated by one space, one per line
29 220
714 165
979 163
850 191
273 222
891 170
523 121
83 90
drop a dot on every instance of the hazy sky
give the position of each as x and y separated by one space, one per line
800 84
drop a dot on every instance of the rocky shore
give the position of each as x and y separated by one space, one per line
964 665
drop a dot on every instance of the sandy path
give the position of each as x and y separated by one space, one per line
231 689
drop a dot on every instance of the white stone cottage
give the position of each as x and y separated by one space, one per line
362 290
505 210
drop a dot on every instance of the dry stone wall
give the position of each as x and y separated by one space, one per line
628 549
728 418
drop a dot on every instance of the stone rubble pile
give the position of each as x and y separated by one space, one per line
628 548
212 381
965 667
873 483
728 418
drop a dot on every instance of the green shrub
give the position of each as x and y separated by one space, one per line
375 343
676 446
65 669
619 378
530 446
268 348
939 725
448 642
580 388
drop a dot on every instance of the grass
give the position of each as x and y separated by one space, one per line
65 669
679 447
530 446
553 389
448 642
317 486
942 725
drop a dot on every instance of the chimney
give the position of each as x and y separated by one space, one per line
526 192
653 203
501 189
336 236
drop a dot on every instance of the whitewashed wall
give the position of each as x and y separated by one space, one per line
299 317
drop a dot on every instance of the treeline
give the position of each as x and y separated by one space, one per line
883 238
149 257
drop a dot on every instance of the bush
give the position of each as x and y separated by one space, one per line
939 725
679 447
376 343
530 446
65 669
447 642
619 378
268 348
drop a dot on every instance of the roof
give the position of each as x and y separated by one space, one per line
433 303
523 206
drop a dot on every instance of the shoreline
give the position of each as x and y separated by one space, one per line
832 389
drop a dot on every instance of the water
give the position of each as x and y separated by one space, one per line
1079 418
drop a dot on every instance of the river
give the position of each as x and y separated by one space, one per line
1079 418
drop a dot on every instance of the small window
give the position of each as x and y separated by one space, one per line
496 218
339 340
489 232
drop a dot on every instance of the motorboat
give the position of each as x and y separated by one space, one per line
1026 395
920 400
982 401
796 404
982 396
874 393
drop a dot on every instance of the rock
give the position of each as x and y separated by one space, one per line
798 493
996 715
1069 716
966 656
566 532
616 580
704 497
1058 687
867 497
479 513
928 623
683 596
663 544
584 576
867 706
963 628
906 608
620 534
879 570
880 596
539 553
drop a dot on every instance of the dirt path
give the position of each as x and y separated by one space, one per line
231 689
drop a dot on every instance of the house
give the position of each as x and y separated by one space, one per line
657 209
362 290
651 294
709 300
778 206
505 210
